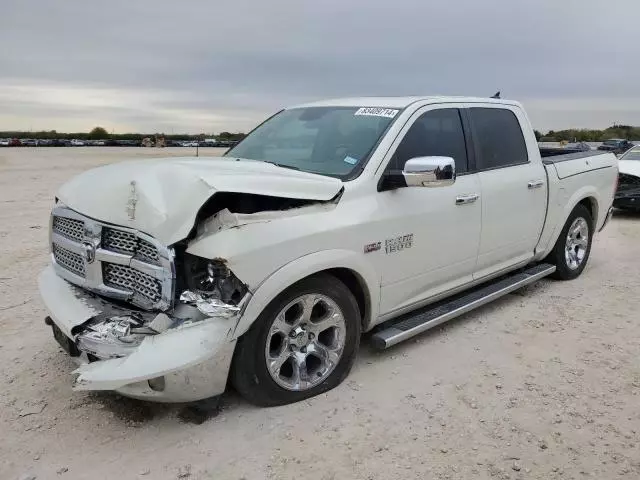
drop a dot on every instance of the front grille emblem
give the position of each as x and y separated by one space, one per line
89 252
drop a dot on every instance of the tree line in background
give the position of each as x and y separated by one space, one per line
625 132
99 133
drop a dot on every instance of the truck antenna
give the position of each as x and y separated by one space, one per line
496 95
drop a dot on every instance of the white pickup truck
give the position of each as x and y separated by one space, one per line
264 267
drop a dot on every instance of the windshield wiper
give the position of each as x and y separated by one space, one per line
281 165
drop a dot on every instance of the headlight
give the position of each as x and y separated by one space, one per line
211 287
213 279
113 337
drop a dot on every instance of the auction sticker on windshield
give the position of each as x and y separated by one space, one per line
377 112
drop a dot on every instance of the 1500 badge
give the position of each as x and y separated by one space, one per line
397 244
391 245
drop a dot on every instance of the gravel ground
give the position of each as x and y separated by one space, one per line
542 384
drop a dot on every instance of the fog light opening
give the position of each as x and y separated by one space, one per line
156 384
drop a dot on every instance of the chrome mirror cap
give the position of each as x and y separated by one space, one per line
430 172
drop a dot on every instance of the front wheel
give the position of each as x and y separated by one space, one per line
572 249
303 343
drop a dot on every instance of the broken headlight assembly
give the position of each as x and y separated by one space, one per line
211 287
112 337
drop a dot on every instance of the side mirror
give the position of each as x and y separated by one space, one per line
430 172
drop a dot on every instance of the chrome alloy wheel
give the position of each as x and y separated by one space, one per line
577 242
305 342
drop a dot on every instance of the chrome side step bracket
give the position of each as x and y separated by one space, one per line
424 319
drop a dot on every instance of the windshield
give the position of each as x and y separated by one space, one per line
633 154
612 142
332 141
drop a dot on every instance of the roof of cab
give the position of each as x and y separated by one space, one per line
400 102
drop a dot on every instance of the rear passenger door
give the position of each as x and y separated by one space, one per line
513 187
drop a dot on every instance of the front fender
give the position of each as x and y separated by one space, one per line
303 267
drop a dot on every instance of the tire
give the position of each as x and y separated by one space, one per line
289 328
569 267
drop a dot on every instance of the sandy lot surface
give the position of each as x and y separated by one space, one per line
543 384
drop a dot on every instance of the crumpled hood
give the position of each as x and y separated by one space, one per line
161 197
630 167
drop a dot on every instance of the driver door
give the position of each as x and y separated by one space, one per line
437 228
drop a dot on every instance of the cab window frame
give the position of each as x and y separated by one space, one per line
475 138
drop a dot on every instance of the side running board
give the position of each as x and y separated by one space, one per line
422 320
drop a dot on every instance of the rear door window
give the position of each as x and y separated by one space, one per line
498 138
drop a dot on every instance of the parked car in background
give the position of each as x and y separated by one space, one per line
15 142
128 143
168 278
546 150
227 143
616 145
29 142
628 194
5 142
77 143
45 142
578 147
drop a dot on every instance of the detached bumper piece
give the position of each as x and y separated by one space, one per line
177 357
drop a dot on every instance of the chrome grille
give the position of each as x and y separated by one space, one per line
69 260
69 227
127 242
147 252
124 242
115 262
130 279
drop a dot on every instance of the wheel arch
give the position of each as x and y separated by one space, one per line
587 197
358 287
591 204
345 265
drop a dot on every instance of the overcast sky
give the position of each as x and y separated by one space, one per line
194 66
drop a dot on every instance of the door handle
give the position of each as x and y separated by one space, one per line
536 183
465 199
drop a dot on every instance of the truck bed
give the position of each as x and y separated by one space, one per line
570 164
558 151
571 178
562 155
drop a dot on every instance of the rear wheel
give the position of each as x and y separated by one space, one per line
303 343
572 249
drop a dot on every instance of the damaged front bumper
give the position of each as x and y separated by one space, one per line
178 357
